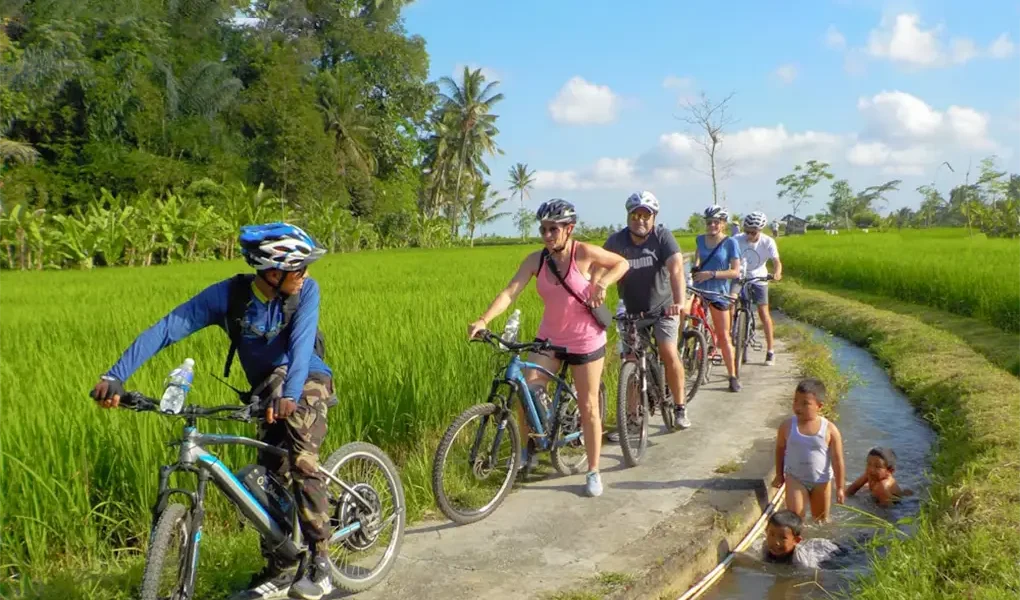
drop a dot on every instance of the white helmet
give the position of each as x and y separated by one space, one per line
717 212
755 220
643 199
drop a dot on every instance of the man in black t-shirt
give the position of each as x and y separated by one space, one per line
655 282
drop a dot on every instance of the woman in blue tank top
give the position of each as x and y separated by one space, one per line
717 262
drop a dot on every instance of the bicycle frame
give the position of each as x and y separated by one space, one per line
513 376
745 305
639 355
194 458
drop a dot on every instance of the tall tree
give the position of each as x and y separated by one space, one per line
796 186
469 103
521 181
481 208
710 120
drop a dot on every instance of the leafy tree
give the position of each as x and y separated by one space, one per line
521 181
797 185
481 208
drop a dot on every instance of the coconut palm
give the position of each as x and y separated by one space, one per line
479 212
521 182
468 103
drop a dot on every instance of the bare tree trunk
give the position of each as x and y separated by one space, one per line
20 236
711 158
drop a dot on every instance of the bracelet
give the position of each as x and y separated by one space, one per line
715 274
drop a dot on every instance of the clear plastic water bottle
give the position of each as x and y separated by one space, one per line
513 325
178 384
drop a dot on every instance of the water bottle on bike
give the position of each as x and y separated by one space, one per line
513 325
178 384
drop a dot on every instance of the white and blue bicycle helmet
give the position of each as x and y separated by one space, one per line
717 212
643 199
278 246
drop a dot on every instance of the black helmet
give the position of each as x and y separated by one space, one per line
557 210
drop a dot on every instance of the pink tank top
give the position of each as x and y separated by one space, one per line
565 321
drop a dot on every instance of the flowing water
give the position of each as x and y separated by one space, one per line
874 413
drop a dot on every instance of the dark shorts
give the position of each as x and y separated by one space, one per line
758 292
720 304
578 359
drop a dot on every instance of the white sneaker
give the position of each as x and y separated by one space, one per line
770 359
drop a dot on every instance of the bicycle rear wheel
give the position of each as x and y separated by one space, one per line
631 423
472 473
694 356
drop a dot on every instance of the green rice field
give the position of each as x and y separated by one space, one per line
78 481
944 268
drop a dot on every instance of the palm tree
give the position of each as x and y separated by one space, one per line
480 213
468 104
521 181
347 119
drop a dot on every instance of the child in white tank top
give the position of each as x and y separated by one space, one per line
809 454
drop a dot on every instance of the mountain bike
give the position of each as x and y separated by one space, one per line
743 328
480 458
363 507
701 321
641 366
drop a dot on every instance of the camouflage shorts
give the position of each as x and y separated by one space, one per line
301 434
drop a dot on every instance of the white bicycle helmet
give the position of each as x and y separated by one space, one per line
643 199
557 210
278 246
755 220
717 212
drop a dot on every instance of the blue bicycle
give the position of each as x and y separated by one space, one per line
479 456
366 504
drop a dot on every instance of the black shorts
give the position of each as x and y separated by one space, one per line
578 359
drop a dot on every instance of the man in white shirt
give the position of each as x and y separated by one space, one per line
756 249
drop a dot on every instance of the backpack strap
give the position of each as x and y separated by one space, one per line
238 299
541 261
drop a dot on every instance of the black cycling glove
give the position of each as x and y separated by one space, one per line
114 387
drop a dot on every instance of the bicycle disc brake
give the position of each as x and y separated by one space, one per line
350 511
570 421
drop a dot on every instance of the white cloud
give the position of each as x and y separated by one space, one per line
904 39
901 116
834 39
963 50
489 73
582 103
611 173
672 82
905 135
787 73
1002 47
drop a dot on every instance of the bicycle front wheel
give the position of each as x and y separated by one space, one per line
167 559
739 340
475 463
631 414
694 355
378 514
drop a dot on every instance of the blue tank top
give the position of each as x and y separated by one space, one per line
728 250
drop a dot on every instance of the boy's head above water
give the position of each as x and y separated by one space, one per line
808 398
881 463
782 534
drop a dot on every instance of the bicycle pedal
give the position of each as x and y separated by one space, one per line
756 346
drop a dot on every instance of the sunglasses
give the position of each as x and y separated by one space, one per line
713 222
551 230
641 215
752 231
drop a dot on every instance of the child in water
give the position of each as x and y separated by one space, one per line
784 545
878 475
809 454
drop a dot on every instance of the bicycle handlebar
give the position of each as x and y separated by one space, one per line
139 402
641 316
746 280
537 346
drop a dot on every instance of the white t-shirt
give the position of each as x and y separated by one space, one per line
754 255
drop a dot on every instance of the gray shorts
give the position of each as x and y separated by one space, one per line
757 291
665 329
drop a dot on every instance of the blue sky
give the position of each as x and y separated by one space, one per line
881 90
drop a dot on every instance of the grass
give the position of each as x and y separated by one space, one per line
999 347
965 543
945 269
731 467
78 481
596 588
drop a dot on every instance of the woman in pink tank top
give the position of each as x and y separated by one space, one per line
566 321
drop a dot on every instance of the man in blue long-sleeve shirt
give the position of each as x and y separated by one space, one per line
282 367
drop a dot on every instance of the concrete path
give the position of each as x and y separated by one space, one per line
547 536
